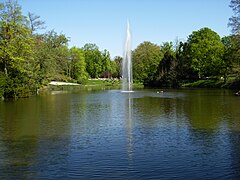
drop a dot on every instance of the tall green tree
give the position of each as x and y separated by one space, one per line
52 56
117 67
205 50
78 65
231 56
166 74
168 60
16 53
93 60
146 58
98 64
228 56
185 71
234 21
106 64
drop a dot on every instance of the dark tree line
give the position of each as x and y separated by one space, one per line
204 55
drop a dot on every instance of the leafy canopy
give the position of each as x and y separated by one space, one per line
205 50
146 58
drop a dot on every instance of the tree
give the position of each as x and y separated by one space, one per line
168 60
146 58
98 63
117 67
231 56
78 65
35 22
106 64
205 50
10 12
234 21
51 53
166 74
16 53
93 60
184 69
228 56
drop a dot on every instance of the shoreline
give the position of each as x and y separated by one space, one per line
59 83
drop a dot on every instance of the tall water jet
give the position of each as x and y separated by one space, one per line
127 63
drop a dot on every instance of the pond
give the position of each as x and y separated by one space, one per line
107 134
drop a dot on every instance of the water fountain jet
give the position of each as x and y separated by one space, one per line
127 63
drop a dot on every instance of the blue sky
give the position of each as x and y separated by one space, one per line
104 22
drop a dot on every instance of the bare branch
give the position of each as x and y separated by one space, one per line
35 22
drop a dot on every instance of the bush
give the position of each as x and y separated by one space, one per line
17 87
2 84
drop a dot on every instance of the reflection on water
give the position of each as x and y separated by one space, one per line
128 119
107 134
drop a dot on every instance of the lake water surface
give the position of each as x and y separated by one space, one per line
107 134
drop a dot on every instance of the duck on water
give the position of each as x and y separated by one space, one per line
237 93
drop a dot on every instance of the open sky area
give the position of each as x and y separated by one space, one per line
104 22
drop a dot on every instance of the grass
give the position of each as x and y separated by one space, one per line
205 84
111 83
102 82
214 83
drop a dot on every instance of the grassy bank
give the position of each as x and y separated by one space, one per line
109 82
102 82
91 84
213 83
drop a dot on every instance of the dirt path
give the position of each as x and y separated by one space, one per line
58 83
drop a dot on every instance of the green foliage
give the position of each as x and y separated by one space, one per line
93 60
166 74
146 58
234 51
231 57
205 50
2 83
106 64
184 69
113 67
203 55
98 64
116 67
16 53
77 65
52 56
234 21
28 60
